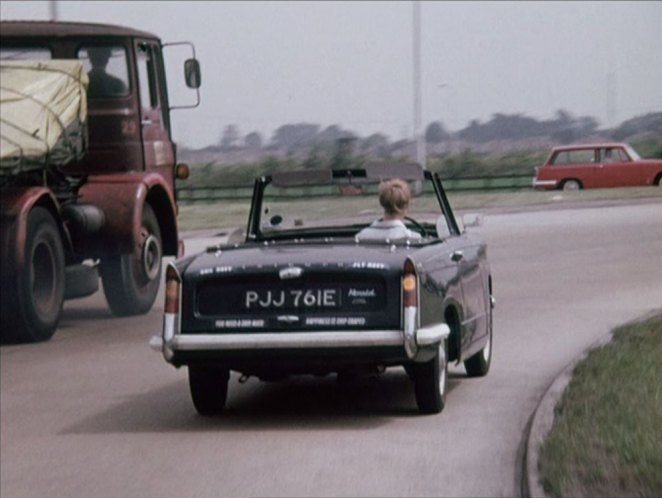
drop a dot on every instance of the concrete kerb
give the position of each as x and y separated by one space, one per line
543 416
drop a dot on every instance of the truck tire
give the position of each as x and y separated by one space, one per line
39 287
131 281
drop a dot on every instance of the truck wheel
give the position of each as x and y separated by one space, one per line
40 282
131 281
430 382
209 388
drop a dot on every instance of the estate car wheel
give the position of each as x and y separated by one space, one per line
31 310
430 382
479 364
131 281
571 185
209 388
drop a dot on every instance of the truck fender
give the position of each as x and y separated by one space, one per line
122 198
16 205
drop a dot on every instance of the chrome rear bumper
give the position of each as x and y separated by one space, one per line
426 337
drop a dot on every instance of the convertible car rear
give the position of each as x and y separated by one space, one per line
303 295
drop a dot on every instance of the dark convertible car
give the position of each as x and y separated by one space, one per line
302 294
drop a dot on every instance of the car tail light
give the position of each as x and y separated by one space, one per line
171 318
410 285
410 306
172 288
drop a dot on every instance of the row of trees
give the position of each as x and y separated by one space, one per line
504 145
562 128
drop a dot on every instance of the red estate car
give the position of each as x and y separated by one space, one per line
574 167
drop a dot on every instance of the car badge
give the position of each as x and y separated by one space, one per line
290 272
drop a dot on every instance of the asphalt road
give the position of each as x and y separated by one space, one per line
96 413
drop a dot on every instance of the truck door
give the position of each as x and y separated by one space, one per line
158 149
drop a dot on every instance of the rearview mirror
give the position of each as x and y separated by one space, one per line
192 73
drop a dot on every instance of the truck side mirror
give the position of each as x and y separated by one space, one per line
192 73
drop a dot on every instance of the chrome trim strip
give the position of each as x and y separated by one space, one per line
544 183
170 329
285 340
410 317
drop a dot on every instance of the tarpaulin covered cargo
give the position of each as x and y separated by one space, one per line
43 111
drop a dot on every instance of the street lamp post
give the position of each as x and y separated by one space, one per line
611 98
52 8
418 136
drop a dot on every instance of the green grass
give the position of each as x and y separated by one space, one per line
607 433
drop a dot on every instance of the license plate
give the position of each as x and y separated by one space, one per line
291 299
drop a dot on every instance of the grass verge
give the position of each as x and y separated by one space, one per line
607 438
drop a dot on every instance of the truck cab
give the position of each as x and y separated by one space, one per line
114 207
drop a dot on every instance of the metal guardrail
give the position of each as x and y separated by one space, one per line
211 193
496 182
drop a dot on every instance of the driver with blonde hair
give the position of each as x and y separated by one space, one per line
394 197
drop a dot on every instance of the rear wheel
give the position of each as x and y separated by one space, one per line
430 382
571 185
131 281
32 309
479 364
209 388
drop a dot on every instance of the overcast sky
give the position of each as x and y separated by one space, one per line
350 63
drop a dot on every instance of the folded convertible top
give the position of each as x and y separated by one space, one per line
43 112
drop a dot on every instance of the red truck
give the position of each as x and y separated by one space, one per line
88 194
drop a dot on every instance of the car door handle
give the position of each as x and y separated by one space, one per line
145 122
457 256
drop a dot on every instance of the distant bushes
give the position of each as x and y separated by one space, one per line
464 164
467 163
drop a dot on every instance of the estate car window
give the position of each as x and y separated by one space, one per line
106 67
574 157
25 53
614 155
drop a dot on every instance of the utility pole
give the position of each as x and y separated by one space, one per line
52 8
611 99
418 136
